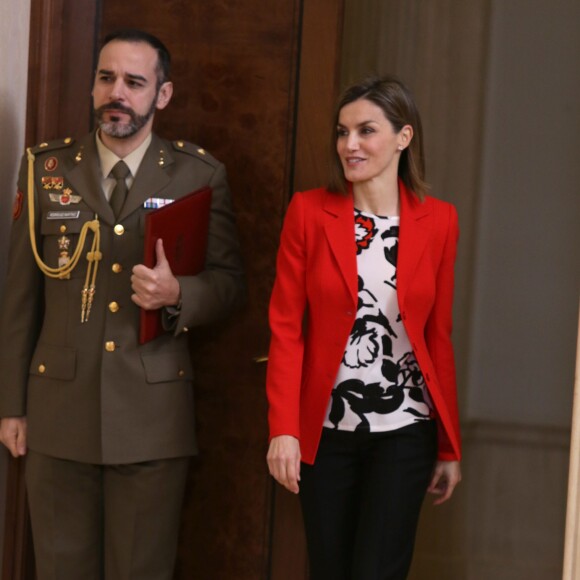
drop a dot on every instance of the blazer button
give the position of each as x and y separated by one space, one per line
119 229
181 373
114 307
117 268
62 229
185 329
110 346
41 369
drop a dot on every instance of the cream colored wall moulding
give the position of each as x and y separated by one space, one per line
572 539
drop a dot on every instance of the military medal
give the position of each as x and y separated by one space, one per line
50 182
51 164
63 254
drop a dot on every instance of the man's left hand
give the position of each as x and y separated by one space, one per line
155 287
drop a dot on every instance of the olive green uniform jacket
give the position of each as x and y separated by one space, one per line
85 401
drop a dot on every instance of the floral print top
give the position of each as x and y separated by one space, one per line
379 386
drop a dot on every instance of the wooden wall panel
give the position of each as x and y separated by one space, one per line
234 73
61 66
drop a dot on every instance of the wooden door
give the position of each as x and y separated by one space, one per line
254 85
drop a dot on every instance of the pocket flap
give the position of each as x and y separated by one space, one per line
165 367
54 362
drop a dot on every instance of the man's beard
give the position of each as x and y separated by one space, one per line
123 130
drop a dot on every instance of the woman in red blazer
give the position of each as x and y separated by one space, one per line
361 377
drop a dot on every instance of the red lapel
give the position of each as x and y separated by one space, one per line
339 227
413 237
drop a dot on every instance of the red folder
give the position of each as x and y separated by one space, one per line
183 226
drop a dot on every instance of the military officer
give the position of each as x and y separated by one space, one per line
106 423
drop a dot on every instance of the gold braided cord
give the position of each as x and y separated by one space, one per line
64 271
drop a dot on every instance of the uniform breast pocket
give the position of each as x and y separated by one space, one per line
60 230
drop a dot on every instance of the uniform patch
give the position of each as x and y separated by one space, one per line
66 197
17 205
51 164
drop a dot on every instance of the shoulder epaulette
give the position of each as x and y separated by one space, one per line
195 151
52 145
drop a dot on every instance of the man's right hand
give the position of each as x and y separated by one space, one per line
13 434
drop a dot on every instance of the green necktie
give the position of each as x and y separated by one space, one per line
120 173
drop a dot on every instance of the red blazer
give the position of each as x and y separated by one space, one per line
314 303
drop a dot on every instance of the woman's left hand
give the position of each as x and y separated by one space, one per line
446 475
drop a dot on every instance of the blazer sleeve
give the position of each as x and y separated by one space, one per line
438 336
286 314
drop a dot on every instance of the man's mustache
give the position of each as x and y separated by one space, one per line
116 106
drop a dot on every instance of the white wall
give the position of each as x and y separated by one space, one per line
14 28
527 261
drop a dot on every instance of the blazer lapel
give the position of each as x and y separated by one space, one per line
151 178
339 228
414 234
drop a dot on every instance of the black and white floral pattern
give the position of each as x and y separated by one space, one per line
379 385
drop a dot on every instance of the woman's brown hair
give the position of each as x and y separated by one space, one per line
398 106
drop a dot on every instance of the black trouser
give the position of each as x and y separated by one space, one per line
361 501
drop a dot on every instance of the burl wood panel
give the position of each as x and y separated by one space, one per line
61 66
234 77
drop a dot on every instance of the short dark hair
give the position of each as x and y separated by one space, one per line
136 35
398 105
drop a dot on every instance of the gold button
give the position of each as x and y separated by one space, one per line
110 346
67 140
41 369
43 145
180 143
117 268
119 230
181 373
114 307
185 329
62 229
201 151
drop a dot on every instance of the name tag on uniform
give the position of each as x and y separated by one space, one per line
63 215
